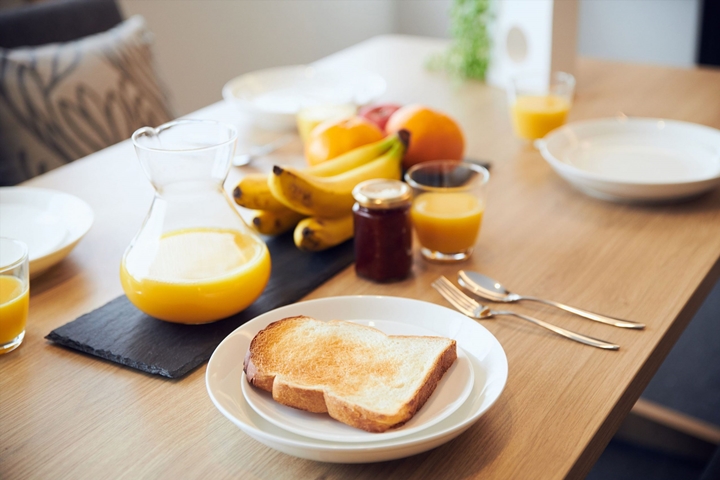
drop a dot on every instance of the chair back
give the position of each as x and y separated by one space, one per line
56 21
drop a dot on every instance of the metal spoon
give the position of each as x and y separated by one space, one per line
471 308
259 151
487 288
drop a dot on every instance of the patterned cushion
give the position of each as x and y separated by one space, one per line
62 101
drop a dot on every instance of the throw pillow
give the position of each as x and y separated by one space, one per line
63 101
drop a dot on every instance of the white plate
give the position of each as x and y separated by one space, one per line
51 223
273 97
635 159
224 377
452 391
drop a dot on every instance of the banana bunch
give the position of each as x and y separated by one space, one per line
323 192
313 234
330 196
274 222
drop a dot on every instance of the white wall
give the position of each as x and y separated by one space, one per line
201 44
645 31
423 17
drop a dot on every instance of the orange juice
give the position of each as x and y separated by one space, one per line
534 116
14 301
197 275
447 222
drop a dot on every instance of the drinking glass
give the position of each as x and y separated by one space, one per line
539 103
14 293
448 207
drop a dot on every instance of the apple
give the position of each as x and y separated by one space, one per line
379 114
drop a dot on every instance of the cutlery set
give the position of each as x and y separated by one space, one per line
486 288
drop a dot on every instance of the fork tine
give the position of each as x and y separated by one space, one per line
446 295
459 295
446 286
454 296
441 287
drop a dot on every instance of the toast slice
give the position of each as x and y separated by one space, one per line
357 374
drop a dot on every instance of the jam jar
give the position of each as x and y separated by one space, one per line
383 231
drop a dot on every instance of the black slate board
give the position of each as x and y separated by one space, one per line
121 333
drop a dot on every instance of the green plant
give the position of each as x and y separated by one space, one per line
469 53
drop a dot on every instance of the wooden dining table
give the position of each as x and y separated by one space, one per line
64 414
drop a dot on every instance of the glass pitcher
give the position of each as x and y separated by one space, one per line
194 259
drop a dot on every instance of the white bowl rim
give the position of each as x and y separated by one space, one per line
542 146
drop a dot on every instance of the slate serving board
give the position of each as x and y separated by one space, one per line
121 333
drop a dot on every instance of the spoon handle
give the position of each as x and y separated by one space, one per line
590 315
243 159
593 342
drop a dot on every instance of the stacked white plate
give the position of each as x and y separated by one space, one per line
466 392
51 223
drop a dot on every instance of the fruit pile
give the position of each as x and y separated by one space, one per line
317 201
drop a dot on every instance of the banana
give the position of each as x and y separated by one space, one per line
358 156
274 223
314 234
330 196
253 192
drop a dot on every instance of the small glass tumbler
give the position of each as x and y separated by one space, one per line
448 207
539 103
14 293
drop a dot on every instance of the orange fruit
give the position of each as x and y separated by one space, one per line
335 137
433 135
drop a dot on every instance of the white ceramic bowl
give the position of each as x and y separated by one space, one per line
635 159
271 98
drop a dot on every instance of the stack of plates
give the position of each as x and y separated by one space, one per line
51 223
465 393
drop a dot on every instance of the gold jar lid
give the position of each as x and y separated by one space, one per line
382 194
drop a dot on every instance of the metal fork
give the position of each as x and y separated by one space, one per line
473 309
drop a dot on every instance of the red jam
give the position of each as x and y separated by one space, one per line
383 231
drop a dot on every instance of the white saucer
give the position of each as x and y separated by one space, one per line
224 377
450 394
51 223
635 159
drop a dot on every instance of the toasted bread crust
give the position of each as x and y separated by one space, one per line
370 421
315 398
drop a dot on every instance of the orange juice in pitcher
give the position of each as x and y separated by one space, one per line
194 259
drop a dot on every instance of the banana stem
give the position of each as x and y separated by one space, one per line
404 136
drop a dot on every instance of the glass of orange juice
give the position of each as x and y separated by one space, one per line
448 207
14 293
539 103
